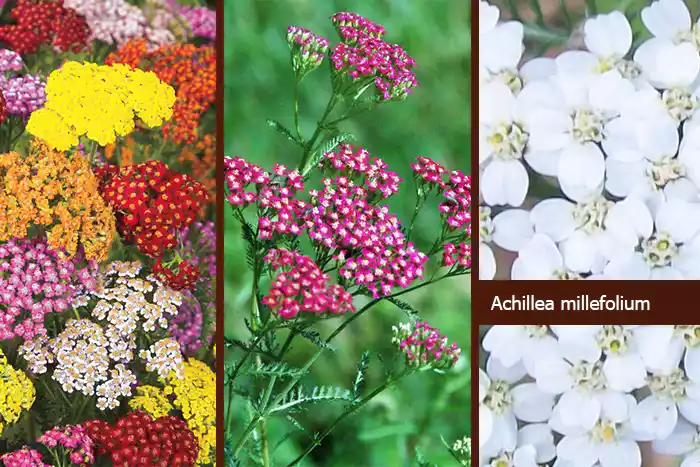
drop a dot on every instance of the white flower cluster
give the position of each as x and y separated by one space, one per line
585 396
615 132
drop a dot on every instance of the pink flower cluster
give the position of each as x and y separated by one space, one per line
308 48
363 54
456 189
35 281
428 171
282 211
23 94
460 255
186 326
374 173
425 347
301 286
75 439
239 175
25 457
202 21
367 237
10 61
351 27
457 207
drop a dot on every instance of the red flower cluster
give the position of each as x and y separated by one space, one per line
191 70
152 203
460 255
42 22
302 286
138 440
184 277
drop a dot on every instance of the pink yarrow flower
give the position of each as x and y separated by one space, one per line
35 281
74 438
372 172
308 49
428 171
301 286
239 175
25 457
460 255
364 55
424 346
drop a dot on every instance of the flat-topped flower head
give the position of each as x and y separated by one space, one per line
308 49
351 26
356 161
239 174
429 172
301 286
424 346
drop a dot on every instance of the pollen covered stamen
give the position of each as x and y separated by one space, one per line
485 224
613 340
498 397
680 103
671 386
664 171
587 126
591 216
659 250
508 141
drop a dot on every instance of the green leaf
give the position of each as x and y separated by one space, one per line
280 370
300 396
405 307
315 337
281 129
359 383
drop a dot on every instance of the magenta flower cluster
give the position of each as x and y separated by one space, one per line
202 21
363 237
307 48
239 175
364 55
35 281
459 255
25 457
10 61
301 286
186 327
425 347
370 245
73 438
373 173
428 171
23 94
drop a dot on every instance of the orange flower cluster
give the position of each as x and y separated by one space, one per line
202 159
190 69
59 192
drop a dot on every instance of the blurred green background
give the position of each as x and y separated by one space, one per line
434 122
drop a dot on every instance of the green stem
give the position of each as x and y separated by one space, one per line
295 98
236 370
309 146
264 445
355 407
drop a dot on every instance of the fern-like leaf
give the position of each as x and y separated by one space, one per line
281 129
300 396
315 338
359 383
404 306
280 370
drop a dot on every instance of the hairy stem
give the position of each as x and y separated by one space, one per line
309 146
295 99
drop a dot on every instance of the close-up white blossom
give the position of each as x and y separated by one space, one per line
597 141
589 396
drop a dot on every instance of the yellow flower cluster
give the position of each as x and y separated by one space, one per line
151 400
57 190
99 102
16 393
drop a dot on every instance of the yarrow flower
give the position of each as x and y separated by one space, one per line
301 286
190 70
23 94
152 203
201 21
75 440
17 393
37 281
424 347
25 457
188 326
122 94
365 58
373 173
10 61
45 22
59 191
137 438
616 125
307 49
164 357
